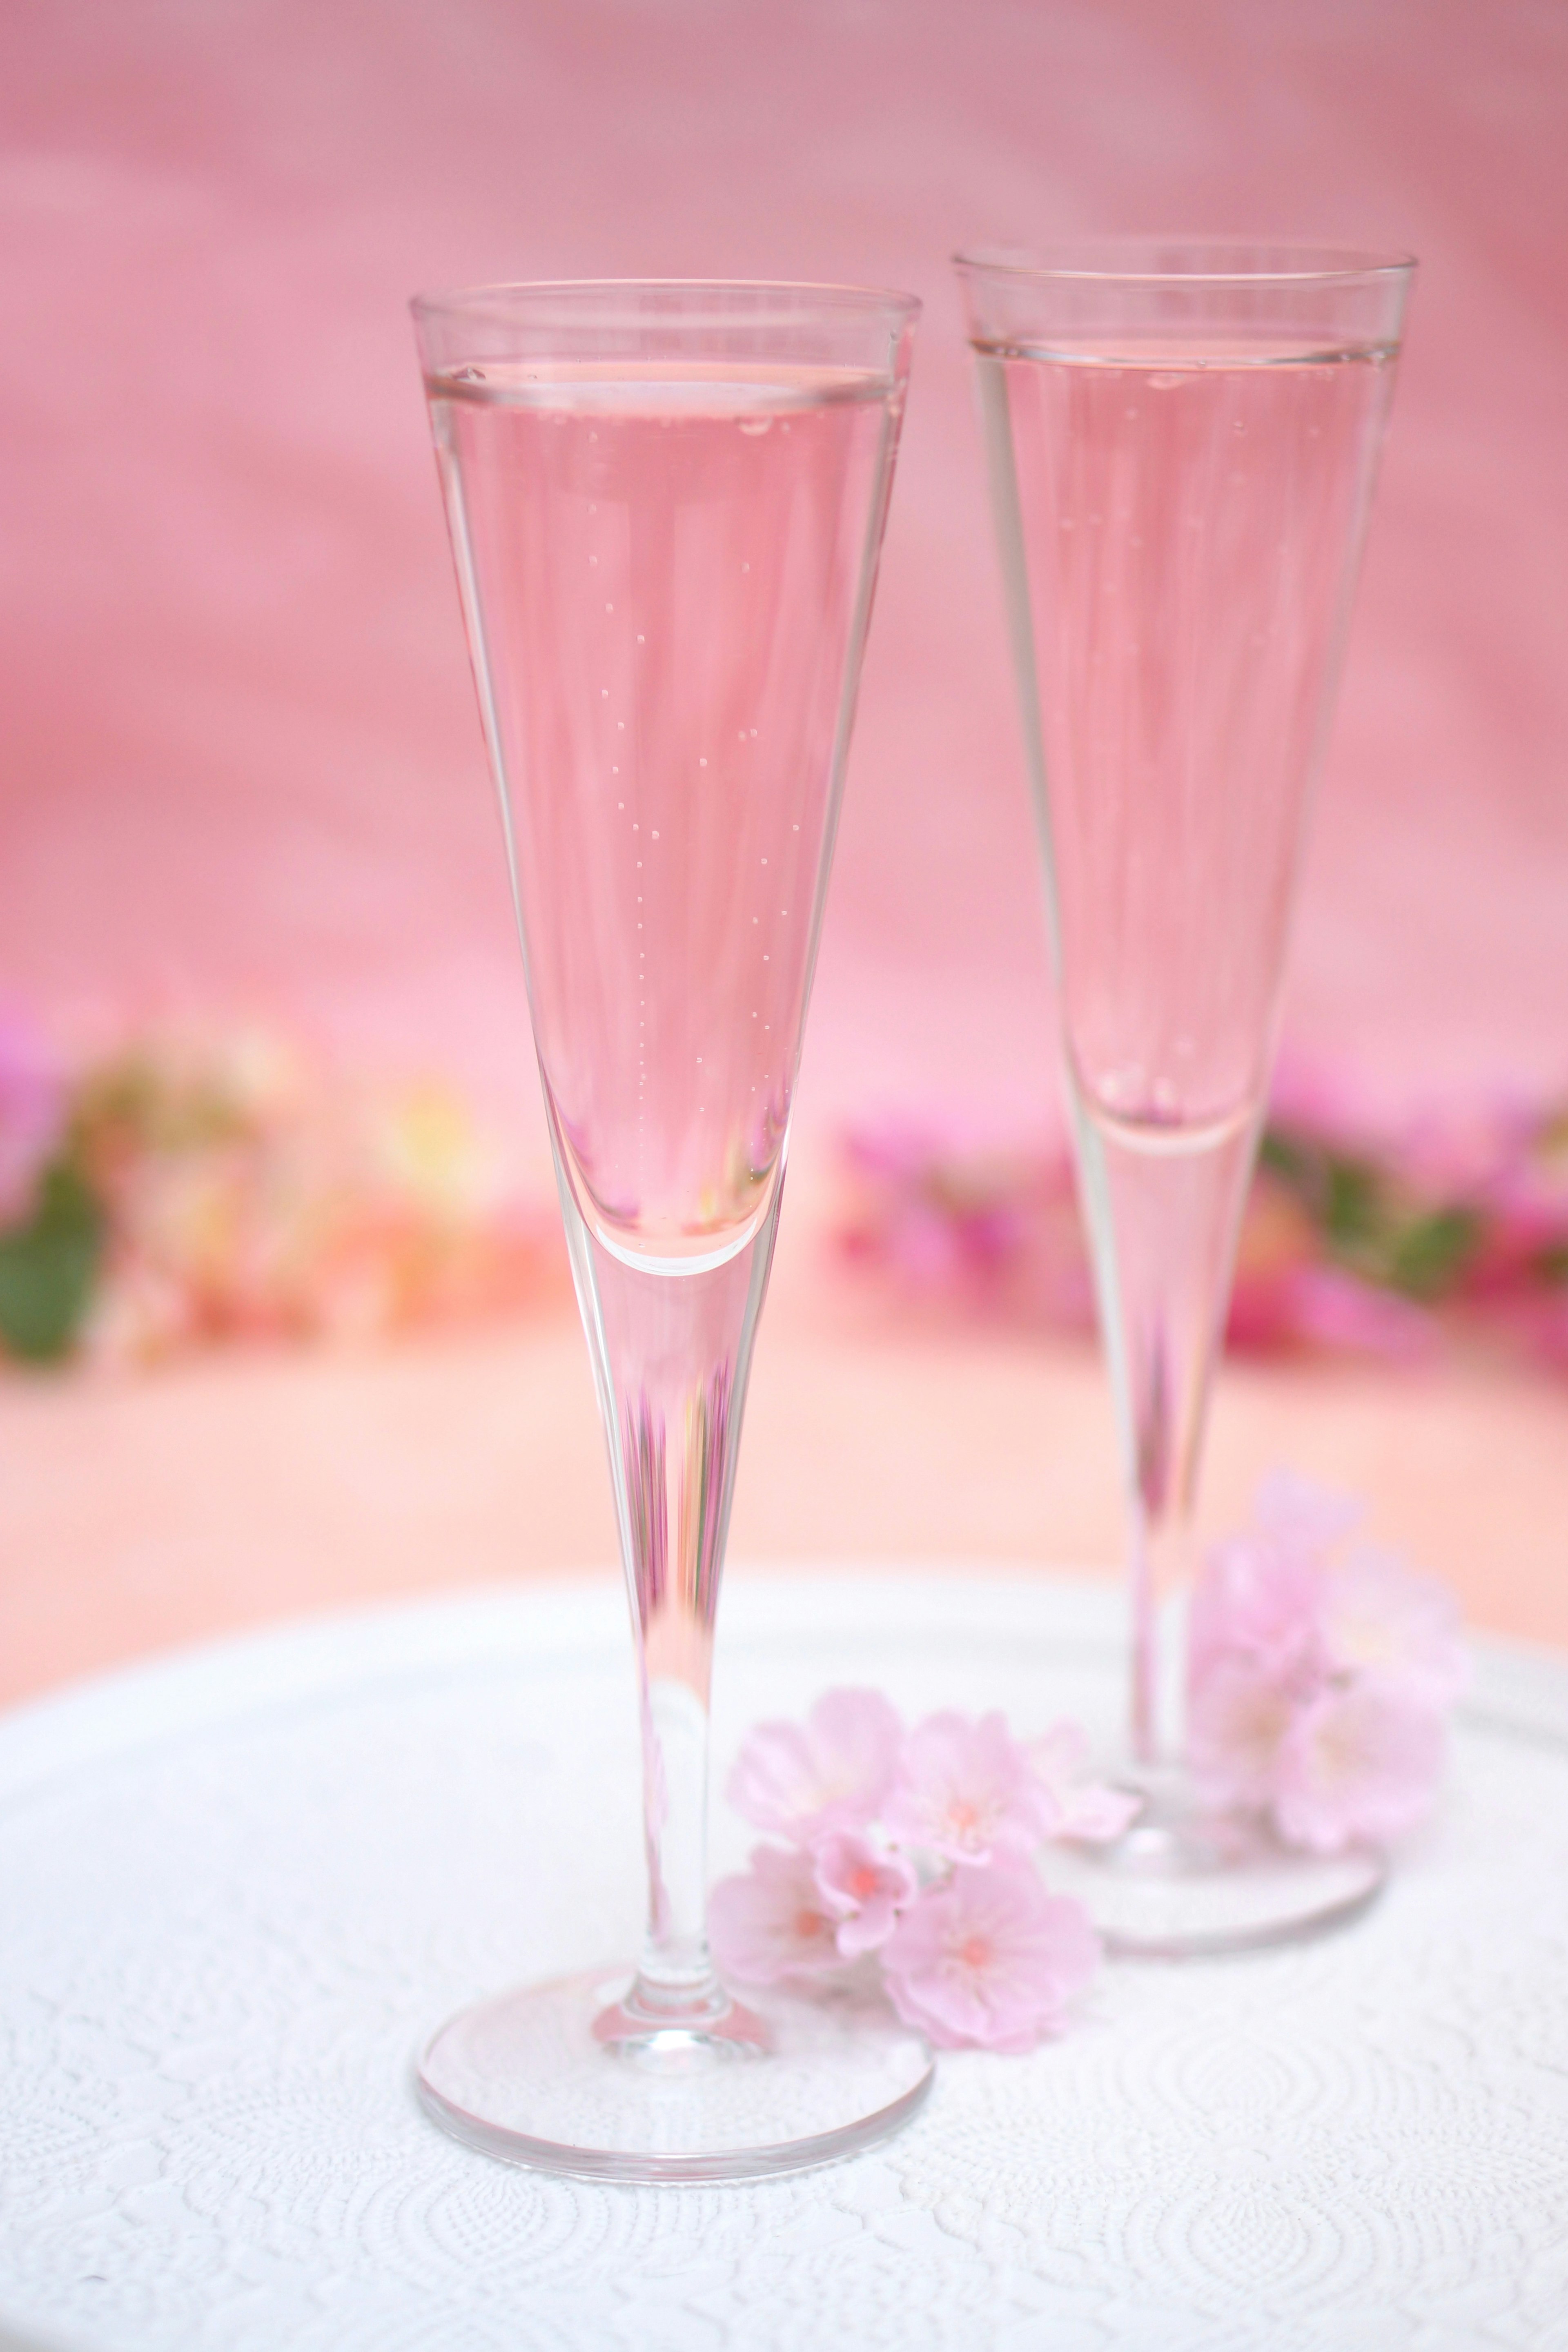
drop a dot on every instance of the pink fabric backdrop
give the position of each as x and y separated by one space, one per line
241 762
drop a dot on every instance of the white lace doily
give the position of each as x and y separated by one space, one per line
240 1887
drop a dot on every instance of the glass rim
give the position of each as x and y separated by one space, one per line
796 298
1130 261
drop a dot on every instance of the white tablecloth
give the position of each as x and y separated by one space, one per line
240 1885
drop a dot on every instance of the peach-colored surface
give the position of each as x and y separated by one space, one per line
152 1510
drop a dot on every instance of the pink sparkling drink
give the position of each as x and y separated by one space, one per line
1182 440
669 571
667 505
1195 522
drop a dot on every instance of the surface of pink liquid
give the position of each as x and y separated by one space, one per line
666 575
1189 523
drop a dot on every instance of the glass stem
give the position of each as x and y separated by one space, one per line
671 1354
1162 1538
1163 1209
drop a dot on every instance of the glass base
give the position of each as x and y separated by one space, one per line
554 2076
1185 1883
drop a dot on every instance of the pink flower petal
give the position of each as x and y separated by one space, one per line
988 1960
1380 1619
967 1791
800 1782
1316 1693
1091 1813
1239 1716
1359 1764
863 1887
1259 1600
770 1922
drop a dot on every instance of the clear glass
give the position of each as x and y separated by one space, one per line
667 504
1182 442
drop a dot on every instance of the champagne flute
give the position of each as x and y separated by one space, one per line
1182 442
666 503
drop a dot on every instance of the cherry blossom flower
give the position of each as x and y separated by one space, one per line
1262 1594
1258 1600
1238 1720
1317 1689
864 1888
1359 1762
988 1959
967 1791
772 1921
801 1781
911 1856
1088 1812
1379 1618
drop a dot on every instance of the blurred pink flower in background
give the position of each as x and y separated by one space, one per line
1358 1239
801 1781
1520 1275
988 1959
248 1192
1305 1304
954 1221
220 1184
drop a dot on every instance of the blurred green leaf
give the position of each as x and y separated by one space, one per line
1284 1155
1551 1263
1365 1226
1431 1253
1351 1207
49 1267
